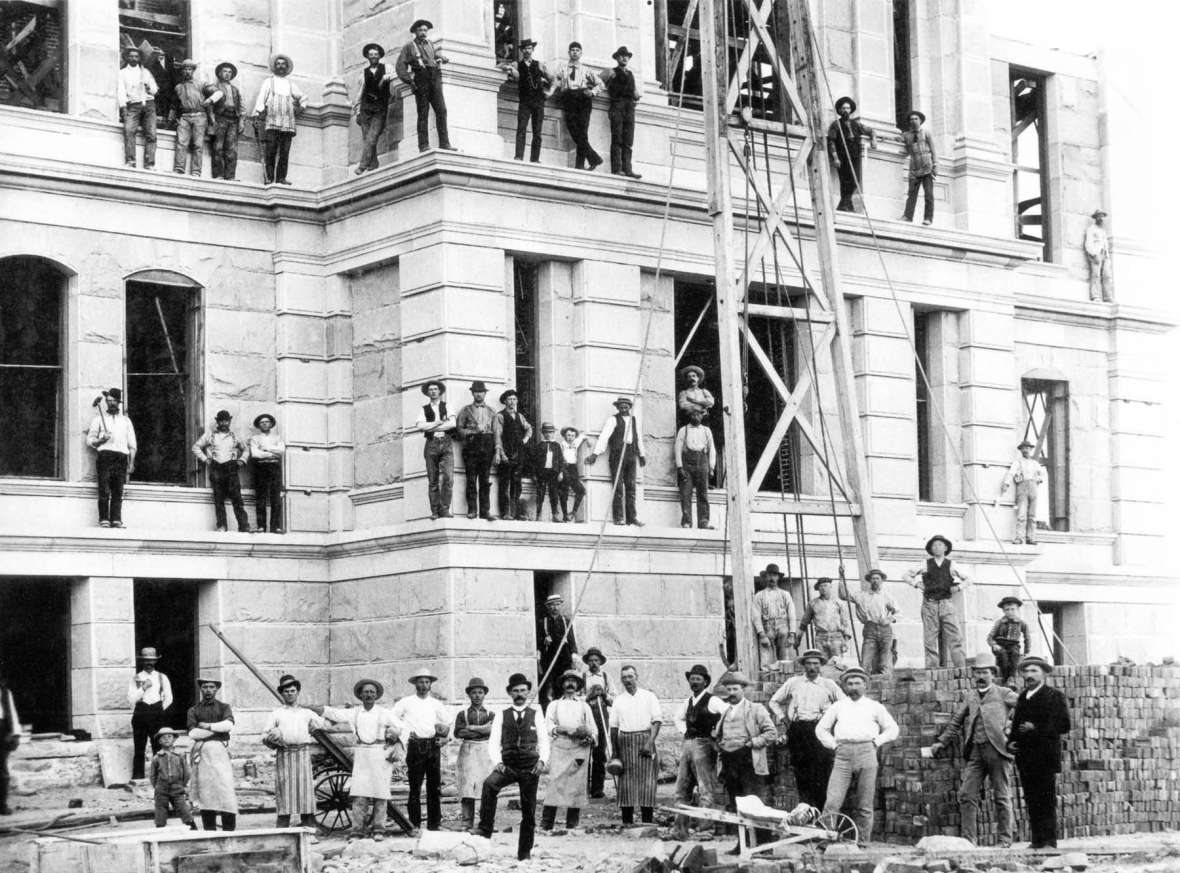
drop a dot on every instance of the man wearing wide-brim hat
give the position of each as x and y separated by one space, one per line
533 82
1027 474
420 66
135 91
475 424
170 775
1039 720
227 119
371 105
425 724
599 697
473 726
877 612
695 718
624 93
573 734
267 450
190 113
224 453
622 436
981 726
855 727
209 722
436 424
942 638
694 396
289 733
846 136
774 616
279 102
150 695
798 706
922 163
1097 249
374 731
1007 635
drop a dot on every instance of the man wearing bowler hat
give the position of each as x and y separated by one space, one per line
266 461
112 437
877 612
473 726
695 718
519 750
475 425
533 81
209 722
221 449
1040 718
577 86
922 166
150 695
573 734
228 119
425 724
1027 475
774 615
289 733
135 88
1006 636
420 66
371 106
798 705
981 726
556 648
624 94
1097 249
846 137
436 424
622 436
512 432
940 625
279 102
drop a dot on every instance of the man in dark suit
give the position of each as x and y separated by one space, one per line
556 649
981 725
1040 718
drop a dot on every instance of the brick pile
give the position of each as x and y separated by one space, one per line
1120 767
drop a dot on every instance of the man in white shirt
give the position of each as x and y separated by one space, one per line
855 727
150 695
224 453
425 724
135 88
1097 249
112 437
798 706
577 86
436 424
695 718
622 436
289 733
696 459
1026 474
635 720
942 637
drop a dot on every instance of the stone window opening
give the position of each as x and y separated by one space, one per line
32 54
1046 426
1030 178
525 302
163 23
36 632
698 343
166 619
903 82
32 295
506 26
936 405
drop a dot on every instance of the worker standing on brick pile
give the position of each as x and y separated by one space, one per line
695 719
774 617
572 734
635 721
877 612
855 728
742 733
981 725
1006 637
209 724
1040 718
798 707
940 626
825 615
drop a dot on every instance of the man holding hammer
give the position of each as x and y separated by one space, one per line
113 439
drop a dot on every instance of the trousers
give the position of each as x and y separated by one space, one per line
423 762
529 112
190 137
596 772
926 183
136 117
571 481
509 480
985 762
778 639
146 719
225 147
547 484
1007 659
268 494
112 476
227 486
527 780
1101 278
428 94
940 632
876 651
811 762
440 471
1026 512
859 760
276 149
694 477
372 122
698 770
1040 802
478 450
850 172
623 465
368 816
622 134
172 797
578 107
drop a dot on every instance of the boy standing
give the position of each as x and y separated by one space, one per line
473 726
1006 635
170 774
571 478
547 464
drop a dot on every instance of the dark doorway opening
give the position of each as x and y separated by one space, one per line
764 405
35 649
166 618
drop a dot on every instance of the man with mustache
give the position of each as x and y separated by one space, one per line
1040 718
798 706
981 726
209 724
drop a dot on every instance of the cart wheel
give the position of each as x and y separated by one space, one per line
841 826
332 802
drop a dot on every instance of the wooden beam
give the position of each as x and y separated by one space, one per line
790 312
803 506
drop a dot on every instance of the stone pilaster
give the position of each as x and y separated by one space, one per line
92 58
102 654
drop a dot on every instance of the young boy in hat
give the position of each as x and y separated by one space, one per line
512 432
877 612
426 724
622 436
228 119
169 776
624 94
573 734
696 460
547 464
533 82
940 626
571 477
922 164
1027 474
774 615
846 137
436 424
135 89
112 437
577 87
1006 637
191 117
371 106
825 615
266 461
221 449
288 732
598 698
473 726
279 102
475 425
420 66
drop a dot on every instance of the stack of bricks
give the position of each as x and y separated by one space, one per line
1120 762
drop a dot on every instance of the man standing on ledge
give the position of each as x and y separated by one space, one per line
112 437
279 102
940 625
846 150
624 94
577 87
475 425
372 105
923 167
1040 718
420 66
532 80
436 424
622 435
512 432
136 91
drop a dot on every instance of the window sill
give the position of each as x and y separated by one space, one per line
942 510
89 490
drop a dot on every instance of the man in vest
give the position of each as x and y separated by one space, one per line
512 431
436 424
474 425
696 718
371 105
547 463
519 749
532 83
624 94
420 66
623 437
556 648
150 693
228 120
981 726
940 625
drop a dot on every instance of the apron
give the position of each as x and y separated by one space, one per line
472 768
568 763
213 777
371 773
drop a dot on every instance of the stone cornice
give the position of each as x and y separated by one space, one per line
1088 313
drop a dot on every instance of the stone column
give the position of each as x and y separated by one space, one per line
942 370
555 345
92 58
102 654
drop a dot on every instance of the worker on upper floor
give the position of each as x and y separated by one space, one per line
420 66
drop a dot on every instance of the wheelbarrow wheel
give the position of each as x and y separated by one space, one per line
841 826
333 805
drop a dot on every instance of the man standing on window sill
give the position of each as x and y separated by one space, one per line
112 437
221 449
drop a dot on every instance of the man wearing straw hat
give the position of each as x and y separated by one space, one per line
572 735
981 726
877 612
622 437
635 721
279 102
112 437
424 723
150 693
288 732
374 732
266 460
1039 719
599 699
940 625
695 719
135 89
437 424
1097 249
372 104
473 726
696 397
228 119
556 650
170 776
1027 475
209 722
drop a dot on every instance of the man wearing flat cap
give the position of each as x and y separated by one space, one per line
981 726
136 93
556 648
941 635
622 437
1027 474
798 706
374 732
150 695
846 137
1039 720
774 616
228 118
209 722
576 86
266 462
425 724
112 437
420 66
512 432
221 449
288 732
624 94
436 424
533 81
1007 635
279 102
877 612
695 718
475 425
371 105
1097 249
473 726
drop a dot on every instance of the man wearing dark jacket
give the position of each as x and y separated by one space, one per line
981 726
533 81
1040 718
556 649
546 465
